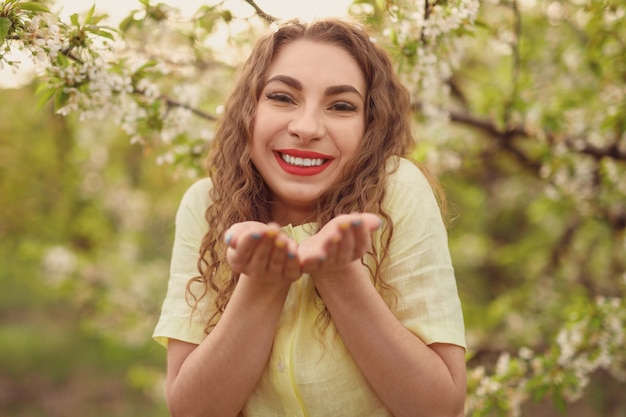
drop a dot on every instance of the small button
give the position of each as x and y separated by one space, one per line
280 365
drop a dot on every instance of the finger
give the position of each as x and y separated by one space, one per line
363 226
245 241
262 259
239 254
232 234
277 259
341 251
371 222
356 236
292 270
236 231
311 265
283 262
362 238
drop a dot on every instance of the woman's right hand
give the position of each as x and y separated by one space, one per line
202 379
262 252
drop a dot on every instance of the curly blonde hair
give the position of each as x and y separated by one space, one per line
239 193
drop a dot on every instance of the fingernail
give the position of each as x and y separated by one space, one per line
344 226
228 238
256 236
322 258
356 223
279 243
271 233
291 255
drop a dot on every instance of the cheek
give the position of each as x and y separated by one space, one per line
259 131
256 137
353 144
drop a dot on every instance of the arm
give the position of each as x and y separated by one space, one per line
216 377
410 377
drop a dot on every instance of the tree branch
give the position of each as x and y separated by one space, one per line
489 127
611 151
268 18
174 103
171 103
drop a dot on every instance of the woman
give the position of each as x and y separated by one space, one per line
325 284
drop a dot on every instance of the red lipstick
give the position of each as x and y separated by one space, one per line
302 169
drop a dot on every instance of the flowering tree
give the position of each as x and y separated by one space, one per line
518 108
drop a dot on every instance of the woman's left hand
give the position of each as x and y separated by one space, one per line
341 242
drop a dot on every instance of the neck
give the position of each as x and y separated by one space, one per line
291 215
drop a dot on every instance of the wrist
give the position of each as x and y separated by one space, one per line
262 288
352 273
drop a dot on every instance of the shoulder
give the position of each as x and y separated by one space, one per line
404 174
408 192
194 203
197 195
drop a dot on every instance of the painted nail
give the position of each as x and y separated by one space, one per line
344 226
256 236
291 255
271 233
279 243
228 238
356 223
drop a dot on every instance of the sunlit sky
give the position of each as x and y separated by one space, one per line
119 9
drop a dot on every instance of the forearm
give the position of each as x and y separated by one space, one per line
217 378
408 376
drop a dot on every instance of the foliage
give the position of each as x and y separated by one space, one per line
73 239
518 107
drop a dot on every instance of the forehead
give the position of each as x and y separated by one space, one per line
317 62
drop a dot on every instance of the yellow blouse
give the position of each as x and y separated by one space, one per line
309 374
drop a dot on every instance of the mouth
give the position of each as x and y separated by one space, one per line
301 162
297 162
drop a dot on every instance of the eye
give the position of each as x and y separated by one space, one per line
343 106
280 97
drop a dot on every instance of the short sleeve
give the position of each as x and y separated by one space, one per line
420 268
176 320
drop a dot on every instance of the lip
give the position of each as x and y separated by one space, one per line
302 171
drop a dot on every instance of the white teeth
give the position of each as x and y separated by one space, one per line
301 162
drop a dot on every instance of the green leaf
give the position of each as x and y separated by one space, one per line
98 18
104 34
33 7
147 65
90 14
127 23
45 95
559 402
74 19
5 26
540 392
60 99
41 88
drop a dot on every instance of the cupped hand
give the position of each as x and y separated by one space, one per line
340 243
261 251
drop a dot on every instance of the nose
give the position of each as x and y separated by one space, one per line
307 124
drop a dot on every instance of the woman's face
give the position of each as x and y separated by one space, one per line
309 123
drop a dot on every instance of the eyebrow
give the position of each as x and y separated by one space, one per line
332 90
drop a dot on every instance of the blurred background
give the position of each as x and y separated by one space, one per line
519 110
86 238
